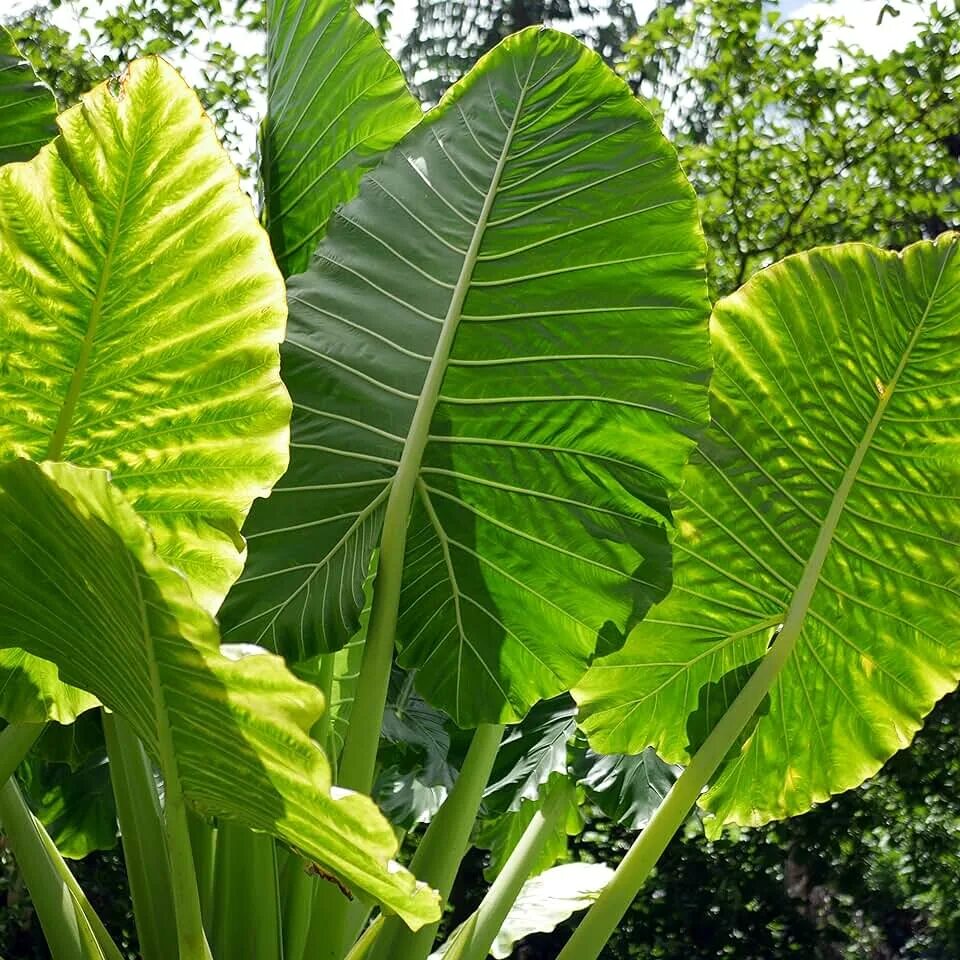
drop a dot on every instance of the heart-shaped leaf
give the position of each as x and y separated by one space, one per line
825 501
507 329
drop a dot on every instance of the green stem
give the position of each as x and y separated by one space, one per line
143 838
15 743
186 897
488 918
443 846
602 918
47 876
298 890
65 927
327 938
247 913
203 843
108 949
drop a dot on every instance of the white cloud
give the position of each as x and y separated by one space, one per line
862 29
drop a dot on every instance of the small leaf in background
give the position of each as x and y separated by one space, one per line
74 804
416 773
530 753
548 899
544 902
628 789
501 834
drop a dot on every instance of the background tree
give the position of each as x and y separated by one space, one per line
791 143
199 36
447 37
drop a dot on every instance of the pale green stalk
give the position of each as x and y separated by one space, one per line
327 939
143 838
15 743
108 949
303 897
203 843
443 846
480 930
38 856
65 927
58 899
602 918
297 890
246 914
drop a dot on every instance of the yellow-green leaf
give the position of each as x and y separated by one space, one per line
140 316
82 585
826 495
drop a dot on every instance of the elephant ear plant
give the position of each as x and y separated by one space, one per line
496 362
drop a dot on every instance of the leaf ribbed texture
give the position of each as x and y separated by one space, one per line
81 584
533 244
140 316
28 109
832 465
336 101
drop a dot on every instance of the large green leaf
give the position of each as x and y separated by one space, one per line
82 585
28 109
336 100
511 316
826 497
140 316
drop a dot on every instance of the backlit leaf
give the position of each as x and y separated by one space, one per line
827 491
140 313
82 585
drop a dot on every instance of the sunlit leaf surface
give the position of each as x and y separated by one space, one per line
830 484
82 585
140 313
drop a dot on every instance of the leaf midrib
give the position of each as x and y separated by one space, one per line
401 495
67 410
811 576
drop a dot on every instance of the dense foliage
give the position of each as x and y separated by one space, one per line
791 142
